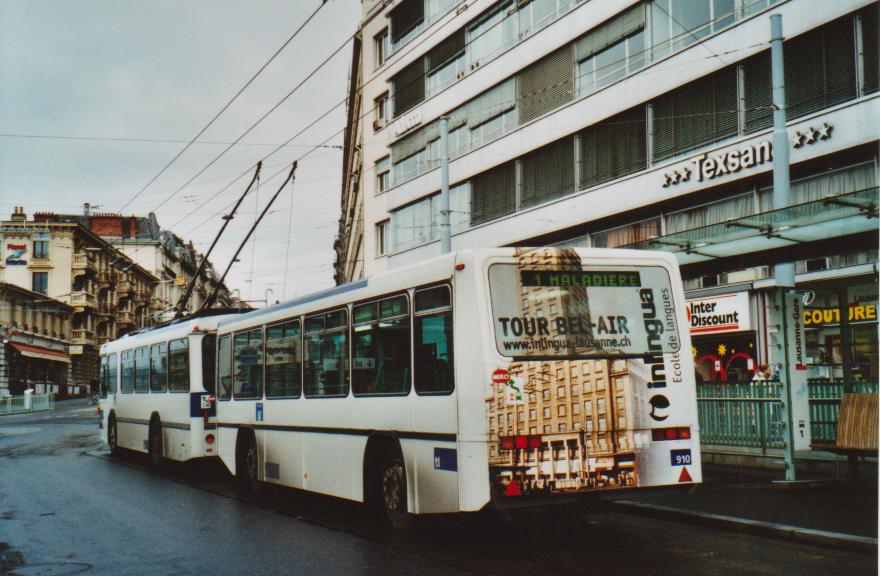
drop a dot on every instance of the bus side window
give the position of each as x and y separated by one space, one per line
283 360
433 345
105 377
381 349
326 349
127 372
142 370
224 367
209 348
178 365
248 362
111 373
159 367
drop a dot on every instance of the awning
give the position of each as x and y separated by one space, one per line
831 217
41 353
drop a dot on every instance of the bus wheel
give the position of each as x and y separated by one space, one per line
247 463
156 443
112 435
393 482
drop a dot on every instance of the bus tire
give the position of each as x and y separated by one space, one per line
156 443
392 482
247 461
112 435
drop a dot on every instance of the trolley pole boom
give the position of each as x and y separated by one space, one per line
210 300
181 304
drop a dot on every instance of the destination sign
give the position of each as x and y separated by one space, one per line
597 279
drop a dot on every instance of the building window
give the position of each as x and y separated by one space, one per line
611 64
40 282
413 225
697 114
380 111
560 411
560 392
533 414
382 46
588 407
575 409
492 34
546 429
679 23
446 63
545 394
600 405
41 248
628 234
382 237
546 412
613 148
383 174
405 21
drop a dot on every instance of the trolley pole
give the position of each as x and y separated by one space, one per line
445 231
784 271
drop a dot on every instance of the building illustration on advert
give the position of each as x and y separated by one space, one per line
559 425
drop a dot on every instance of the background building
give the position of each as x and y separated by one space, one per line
34 330
113 274
640 124
161 252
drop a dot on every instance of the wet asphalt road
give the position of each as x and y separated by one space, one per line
66 508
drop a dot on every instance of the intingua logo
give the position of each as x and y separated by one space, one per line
654 327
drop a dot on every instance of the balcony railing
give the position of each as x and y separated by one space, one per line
82 300
82 336
124 317
124 287
84 261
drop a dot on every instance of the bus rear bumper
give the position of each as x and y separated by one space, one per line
595 498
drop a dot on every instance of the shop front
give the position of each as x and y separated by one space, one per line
723 339
841 342
42 366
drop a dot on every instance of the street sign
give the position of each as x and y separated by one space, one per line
500 376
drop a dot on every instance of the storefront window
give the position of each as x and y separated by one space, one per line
842 352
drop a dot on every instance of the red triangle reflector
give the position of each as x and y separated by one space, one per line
685 477
513 489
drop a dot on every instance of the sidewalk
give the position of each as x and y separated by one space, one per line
823 510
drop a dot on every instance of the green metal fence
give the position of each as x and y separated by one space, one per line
744 415
22 404
825 395
750 415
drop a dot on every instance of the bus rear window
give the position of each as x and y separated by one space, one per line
562 309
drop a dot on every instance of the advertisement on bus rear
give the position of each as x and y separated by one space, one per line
595 379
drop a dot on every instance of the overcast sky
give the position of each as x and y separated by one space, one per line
159 70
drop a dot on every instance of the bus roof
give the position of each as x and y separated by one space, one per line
429 271
164 333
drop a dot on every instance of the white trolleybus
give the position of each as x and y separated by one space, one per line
157 390
497 377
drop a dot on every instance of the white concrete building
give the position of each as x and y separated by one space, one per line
644 124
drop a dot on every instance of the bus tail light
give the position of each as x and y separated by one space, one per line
209 439
520 442
677 433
